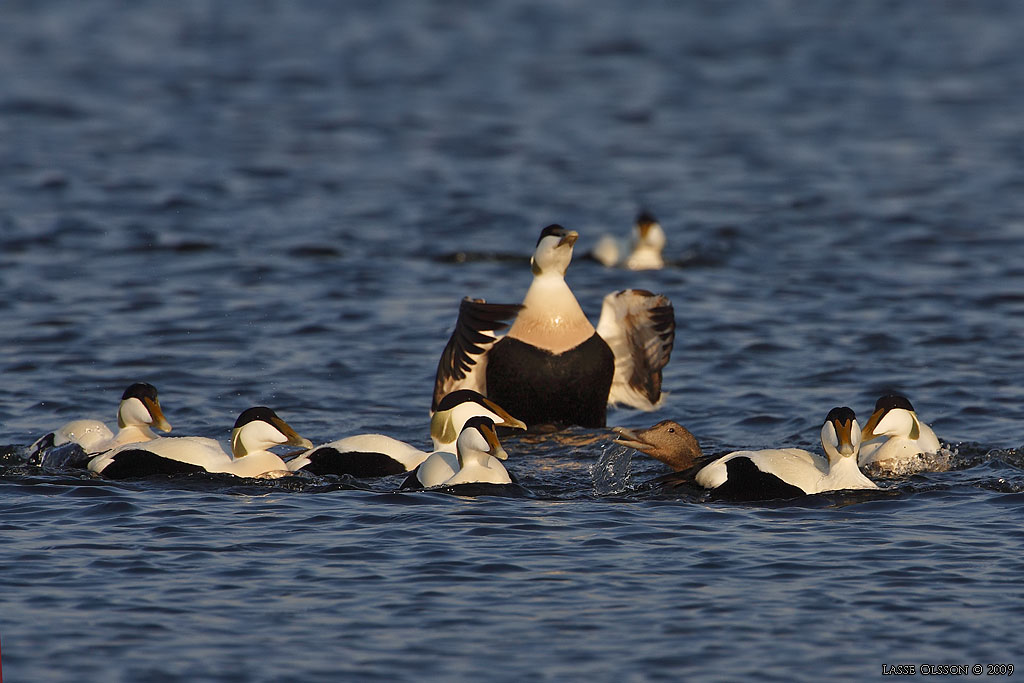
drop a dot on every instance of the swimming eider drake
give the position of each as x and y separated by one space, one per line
553 367
255 432
378 455
792 472
138 414
642 253
667 441
894 438
477 460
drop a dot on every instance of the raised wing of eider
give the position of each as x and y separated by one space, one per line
463 362
642 252
553 366
377 455
792 472
255 432
138 414
895 437
640 329
477 460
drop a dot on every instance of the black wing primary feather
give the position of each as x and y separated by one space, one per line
652 358
639 326
469 339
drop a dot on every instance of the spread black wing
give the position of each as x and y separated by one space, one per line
462 364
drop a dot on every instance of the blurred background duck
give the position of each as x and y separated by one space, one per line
642 252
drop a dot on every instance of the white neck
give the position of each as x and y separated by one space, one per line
133 433
255 464
473 458
843 473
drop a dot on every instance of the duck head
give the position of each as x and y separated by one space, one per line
648 232
456 408
893 416
258 429
479 441
667 441
554 250
140 407
841 435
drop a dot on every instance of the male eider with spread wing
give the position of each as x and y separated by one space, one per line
895 438
792 472
138 414
377 455
553 366
477 461
255 431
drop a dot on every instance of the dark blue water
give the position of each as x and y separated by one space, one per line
282 203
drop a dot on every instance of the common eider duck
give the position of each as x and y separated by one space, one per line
377 455
642 253
792 472
667 441
477 461
87 435
552 366
255 431
138 414
894 438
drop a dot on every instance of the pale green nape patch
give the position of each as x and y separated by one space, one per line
442 428
915 430
534 268
237 448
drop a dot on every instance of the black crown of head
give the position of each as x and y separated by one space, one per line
841 414
553 229
458 397
254 414
478 422
139 390
890 401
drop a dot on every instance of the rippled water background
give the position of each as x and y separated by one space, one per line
282 203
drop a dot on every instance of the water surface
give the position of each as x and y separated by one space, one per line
283 204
